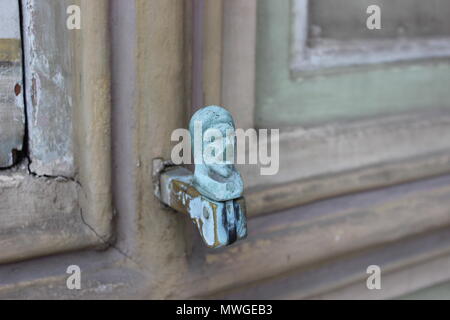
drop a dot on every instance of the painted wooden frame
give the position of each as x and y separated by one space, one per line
51 207
357 93
326 160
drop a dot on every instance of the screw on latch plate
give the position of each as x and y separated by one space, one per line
212 195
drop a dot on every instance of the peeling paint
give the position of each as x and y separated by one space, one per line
12 113
49 56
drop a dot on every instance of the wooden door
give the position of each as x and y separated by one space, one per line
364 148
363 175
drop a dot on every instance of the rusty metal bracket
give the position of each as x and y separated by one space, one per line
220 223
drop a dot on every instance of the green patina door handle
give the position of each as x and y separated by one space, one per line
212 196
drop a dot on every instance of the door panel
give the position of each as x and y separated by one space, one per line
57 198
311 82
351 121
335 139
361 189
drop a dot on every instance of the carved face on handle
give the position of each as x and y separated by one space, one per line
217 141
213 142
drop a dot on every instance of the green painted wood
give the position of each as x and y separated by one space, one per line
437 292
357 93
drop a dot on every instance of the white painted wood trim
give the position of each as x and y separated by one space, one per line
329 54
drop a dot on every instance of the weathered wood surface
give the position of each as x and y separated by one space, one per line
397 283
50 86
12 117
40 216
337 159
271 199
153 89
96 282
340 276
331 159
314 233
289 253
